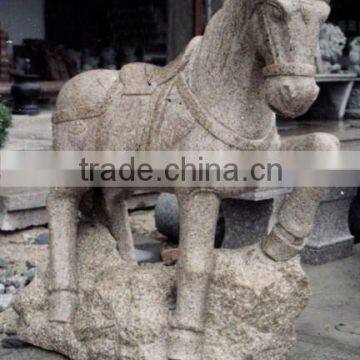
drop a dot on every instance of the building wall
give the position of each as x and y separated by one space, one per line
180 26
22 19
213 6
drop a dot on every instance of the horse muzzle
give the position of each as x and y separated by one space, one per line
290 88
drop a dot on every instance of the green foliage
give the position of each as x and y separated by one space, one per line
5 122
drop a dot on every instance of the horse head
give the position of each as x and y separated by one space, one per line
286 35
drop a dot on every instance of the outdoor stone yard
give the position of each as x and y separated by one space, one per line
329 329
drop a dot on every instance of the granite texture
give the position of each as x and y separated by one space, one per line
255 58
167 219
124 310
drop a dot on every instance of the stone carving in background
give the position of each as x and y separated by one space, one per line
332 44
354 56
230 305
353 111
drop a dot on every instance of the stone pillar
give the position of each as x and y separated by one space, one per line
181 26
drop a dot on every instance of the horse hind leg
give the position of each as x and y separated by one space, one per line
63 206
119 223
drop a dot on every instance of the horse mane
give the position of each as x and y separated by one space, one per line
223 33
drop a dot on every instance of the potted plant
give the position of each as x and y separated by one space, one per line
5 122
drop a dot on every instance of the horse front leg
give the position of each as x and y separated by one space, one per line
198 218
63 206
298 210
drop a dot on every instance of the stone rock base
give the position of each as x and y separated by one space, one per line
123 309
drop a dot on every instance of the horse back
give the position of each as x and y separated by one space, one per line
118 110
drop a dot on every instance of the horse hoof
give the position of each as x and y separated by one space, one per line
281 246
185 345
62 306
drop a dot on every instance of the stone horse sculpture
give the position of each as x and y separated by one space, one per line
257 58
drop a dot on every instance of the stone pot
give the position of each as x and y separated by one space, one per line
26 92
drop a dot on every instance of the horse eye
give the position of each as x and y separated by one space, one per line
275 11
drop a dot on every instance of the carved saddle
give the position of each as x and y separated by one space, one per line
89 96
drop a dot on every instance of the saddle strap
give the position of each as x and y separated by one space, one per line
216 128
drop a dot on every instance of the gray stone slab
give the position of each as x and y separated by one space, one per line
264 194
30 132
143 200
21 208
17 220
16 199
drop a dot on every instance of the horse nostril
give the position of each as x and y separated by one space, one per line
288 92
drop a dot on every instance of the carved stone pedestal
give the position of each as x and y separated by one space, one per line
123 309
249 218
249 221
331 239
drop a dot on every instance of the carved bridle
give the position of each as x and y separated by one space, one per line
278 68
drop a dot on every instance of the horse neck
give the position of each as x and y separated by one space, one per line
225 73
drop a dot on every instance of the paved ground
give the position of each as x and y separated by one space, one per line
329 329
